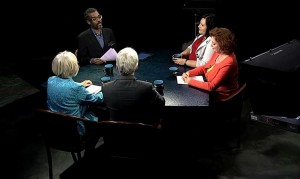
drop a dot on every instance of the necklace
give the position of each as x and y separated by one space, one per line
211 67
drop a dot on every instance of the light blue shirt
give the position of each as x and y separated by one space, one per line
70 97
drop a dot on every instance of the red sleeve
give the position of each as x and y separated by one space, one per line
220 73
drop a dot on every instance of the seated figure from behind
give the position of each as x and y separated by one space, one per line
70 97
221 72
130 99
200 51
95 41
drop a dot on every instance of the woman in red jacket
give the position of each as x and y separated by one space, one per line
221 72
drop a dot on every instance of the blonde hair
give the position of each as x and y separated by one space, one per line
127 61
65 65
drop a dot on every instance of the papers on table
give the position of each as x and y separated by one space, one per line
180 80
94 89
110 55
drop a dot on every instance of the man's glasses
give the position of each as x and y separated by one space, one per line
96 18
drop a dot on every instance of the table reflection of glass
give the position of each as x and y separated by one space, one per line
155 68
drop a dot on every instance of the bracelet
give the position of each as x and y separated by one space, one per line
185 61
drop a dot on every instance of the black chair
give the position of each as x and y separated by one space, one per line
59 131
227 113
131 140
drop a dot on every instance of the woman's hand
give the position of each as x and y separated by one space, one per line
177 55
186 77
179 61
87 83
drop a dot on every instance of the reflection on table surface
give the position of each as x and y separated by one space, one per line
155 67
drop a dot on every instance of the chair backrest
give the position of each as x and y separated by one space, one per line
237 94
234 102
60 131
232 105
130 139
227 114
76 52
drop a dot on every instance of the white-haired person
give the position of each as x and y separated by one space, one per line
70 97
128 98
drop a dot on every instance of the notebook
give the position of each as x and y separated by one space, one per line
180 80
94 89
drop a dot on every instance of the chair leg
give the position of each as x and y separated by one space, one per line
238 141
74 157
78 155
49 156
239 133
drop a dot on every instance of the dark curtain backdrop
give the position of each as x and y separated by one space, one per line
47 27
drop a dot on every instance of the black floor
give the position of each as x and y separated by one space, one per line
265 152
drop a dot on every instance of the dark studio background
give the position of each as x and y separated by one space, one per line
48 27
34 32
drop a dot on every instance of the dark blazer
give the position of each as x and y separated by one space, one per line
88 47
129 99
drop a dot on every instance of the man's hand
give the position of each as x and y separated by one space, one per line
97 61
